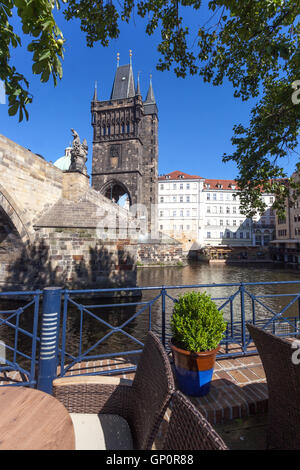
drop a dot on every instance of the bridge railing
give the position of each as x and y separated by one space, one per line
75 329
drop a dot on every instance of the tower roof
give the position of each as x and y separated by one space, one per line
95 97
150 99
123 86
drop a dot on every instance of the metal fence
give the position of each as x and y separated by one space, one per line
45 326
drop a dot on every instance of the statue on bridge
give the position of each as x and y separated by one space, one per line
78 154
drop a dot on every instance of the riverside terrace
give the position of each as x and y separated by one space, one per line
82 338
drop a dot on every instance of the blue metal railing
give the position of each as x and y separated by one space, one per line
275 310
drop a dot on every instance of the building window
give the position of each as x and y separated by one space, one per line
241 234
161 186
188 227
208 196
188 199
181 199
221 209
161 213
227 235
234 210
181 213
187 213
227 222
174 186
247 234
208 235
181 186
234 223
161 227
161 199
221 223
221 234
174 213
221 196
174 198
208 222
227 210
234 234
214 196
208 210
181 228
188 186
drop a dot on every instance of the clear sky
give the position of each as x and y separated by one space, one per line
195 119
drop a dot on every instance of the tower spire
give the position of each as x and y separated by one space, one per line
95 92
118 59
138 90
130 56
150 99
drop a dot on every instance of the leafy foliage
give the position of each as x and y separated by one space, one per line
253 44
47 48
196 324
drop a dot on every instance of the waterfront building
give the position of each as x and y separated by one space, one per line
201 212
286 246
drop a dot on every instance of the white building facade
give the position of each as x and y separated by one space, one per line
202 212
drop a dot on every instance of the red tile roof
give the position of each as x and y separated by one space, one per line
226 184
175 175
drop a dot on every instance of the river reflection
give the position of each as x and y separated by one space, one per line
93 330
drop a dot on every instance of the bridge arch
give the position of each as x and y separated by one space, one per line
12 211
114 190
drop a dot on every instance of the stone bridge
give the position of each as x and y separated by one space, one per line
55 229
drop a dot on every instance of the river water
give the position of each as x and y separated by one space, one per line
200 273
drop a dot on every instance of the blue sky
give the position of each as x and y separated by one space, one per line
195 119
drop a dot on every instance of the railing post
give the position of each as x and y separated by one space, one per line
243 322
48 358
163 316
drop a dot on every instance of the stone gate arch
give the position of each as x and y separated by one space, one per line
13 213
114 189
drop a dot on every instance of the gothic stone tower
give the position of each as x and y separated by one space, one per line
125 144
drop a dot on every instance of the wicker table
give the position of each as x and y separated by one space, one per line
33 420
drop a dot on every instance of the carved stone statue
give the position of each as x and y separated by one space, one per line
78 154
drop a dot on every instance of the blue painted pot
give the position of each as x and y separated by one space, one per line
194 371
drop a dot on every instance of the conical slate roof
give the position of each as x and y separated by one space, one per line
150 95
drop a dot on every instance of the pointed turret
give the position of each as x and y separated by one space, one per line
150 95
150 103
138 90
95 98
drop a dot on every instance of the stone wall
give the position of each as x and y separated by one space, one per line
31 182
72 258
159 253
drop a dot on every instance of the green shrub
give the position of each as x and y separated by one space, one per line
197 325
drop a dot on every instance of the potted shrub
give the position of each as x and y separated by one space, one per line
197 329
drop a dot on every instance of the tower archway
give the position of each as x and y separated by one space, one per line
117 192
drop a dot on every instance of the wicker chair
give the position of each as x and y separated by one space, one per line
283 380
188 429
141 404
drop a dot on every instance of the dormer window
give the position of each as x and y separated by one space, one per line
208 186
219 186
167 177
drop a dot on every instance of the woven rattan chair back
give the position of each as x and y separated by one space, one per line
188 429
152 389
283 379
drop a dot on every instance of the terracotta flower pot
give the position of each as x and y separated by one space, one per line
194 371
